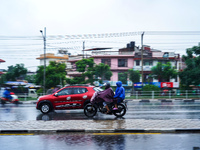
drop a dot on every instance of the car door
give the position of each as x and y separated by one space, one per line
79 96
63 98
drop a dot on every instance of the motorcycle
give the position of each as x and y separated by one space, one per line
14 100
90 109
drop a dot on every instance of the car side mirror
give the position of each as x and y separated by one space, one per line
56 94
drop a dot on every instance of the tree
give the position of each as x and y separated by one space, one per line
190 75
164 72
16 72
55 74
76 80
102 71
134 75
3 79
85 65
90 71
30 78
122 76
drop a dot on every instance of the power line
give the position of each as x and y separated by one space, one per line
103 35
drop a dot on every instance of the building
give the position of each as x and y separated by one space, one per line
150 59
130 58
119 61
61 58
66 58
71 66
1 71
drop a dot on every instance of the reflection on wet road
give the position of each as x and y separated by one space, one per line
98 142
136 110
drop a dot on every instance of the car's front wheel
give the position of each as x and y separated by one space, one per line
45 108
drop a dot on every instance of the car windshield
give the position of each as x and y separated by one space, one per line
97 89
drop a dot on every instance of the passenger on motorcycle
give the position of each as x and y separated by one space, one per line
106 96
119 94
6 94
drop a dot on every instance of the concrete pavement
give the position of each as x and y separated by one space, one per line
94 126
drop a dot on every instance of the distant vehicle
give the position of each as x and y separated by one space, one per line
23 88
69 97
14 100
30 93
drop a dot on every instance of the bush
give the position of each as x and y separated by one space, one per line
39 91
150 87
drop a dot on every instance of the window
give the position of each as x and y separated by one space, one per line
122 62
97 89
137 62
80 90
106 61
166 54
148 63
66 91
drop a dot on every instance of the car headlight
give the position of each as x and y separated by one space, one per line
38 98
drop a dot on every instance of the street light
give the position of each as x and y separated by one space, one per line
142 48
44 39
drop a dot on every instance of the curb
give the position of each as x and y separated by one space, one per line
42 131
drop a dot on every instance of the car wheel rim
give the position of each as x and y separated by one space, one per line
45 108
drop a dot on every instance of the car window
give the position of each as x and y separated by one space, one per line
80 90
97 89
66 91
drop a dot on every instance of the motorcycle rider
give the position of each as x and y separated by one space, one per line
106 96
119 94
6 94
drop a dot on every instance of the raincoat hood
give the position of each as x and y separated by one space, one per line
119 83
120 91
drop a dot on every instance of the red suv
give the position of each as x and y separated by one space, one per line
69 97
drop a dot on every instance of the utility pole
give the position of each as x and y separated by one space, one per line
44 76
83 48
142 57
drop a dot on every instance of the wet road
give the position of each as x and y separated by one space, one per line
136 110
102 141
111 141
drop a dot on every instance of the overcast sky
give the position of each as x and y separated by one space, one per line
21 21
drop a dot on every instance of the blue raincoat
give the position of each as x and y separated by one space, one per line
120 91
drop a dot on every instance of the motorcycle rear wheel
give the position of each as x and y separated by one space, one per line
121 111
90 110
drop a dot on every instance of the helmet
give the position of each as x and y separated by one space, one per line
107 85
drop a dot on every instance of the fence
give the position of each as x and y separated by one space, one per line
187 94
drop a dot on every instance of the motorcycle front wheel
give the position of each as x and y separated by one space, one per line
121 111
90 110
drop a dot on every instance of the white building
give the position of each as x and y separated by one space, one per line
52 57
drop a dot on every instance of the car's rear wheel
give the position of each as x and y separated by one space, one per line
45 108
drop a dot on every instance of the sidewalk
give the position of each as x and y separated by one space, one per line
96 126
